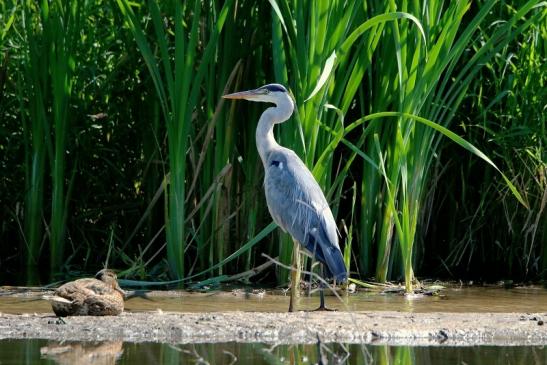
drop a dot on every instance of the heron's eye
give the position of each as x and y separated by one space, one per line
266 91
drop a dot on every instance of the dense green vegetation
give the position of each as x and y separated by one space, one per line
116 148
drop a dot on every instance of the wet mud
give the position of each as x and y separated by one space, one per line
468 316
387 327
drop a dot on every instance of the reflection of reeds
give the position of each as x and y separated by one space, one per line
317 353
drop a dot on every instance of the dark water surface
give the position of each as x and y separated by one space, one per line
474 299
51 352
468 299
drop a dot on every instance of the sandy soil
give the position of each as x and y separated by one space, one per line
300 327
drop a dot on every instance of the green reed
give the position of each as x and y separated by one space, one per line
177 71
378 86
64 23
316 41
50 33
426 82
505 112
410 75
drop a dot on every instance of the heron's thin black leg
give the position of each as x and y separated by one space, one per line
321 297
322 306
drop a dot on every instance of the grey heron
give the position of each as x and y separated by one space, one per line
295 200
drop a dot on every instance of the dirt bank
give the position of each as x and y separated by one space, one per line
301 327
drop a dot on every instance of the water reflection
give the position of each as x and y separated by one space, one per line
83 353
43 351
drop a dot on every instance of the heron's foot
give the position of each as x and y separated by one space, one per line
323 308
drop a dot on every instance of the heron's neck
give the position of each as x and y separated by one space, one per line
265 141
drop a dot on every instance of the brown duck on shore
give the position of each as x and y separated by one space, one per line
101 296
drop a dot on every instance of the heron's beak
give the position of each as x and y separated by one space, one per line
247 95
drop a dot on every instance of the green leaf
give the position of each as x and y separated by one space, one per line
327 70
448 133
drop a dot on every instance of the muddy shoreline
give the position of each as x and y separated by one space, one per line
390 327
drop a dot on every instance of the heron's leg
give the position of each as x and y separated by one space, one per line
322 306
295 275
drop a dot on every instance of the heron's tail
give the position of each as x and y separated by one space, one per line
335 265
329 254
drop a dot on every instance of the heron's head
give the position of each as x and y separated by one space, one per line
271 93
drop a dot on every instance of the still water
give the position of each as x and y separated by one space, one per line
483 299
469 299
50 352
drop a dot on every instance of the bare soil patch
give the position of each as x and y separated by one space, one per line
300 327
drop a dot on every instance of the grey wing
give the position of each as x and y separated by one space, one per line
298 206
